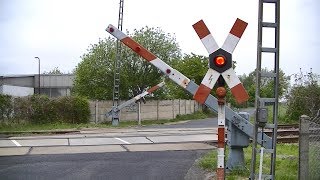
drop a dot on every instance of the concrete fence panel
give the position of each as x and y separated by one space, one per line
152 110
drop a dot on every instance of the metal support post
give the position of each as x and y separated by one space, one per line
262 103
139 113
221 94
115 116
116 74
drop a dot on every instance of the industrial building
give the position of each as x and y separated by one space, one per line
53 85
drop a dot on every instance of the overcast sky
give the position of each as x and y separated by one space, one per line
60 31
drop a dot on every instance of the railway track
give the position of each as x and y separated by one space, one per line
289 133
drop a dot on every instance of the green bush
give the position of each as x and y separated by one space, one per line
41 109
304 97
81 110
6 106
22 110
73 109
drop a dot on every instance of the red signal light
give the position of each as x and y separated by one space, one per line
220 61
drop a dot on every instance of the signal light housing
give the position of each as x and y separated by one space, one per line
220 60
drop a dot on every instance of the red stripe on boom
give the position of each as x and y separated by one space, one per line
136 47
152 89
201 29
202 94
238 28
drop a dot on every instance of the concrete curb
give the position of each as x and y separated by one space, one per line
197 173
6 133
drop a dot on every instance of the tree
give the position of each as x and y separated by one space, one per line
55 70
267 85
94 74
304 96
192 66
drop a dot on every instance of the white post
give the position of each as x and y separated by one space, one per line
261 163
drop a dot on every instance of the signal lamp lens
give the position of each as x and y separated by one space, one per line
220 61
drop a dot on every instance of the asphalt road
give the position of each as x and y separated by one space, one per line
116 166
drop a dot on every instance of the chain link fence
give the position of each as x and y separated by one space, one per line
309 148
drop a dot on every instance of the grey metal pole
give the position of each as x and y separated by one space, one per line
139 113
39 75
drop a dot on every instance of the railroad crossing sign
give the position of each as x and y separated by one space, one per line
220 62
220 71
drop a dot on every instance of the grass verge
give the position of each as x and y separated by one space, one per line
8 128
282 116
286 163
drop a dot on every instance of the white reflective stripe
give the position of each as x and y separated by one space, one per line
210 78
126 142
141 95
221 115
161 84
16 143
231 78
160 65
220 151
116 32
179 78
230 43
210 43
261 163
220 159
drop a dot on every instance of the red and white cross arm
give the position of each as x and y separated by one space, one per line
236 87
173 74
234 36
211 76
206 85
205 36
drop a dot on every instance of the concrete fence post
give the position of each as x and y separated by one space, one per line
304 147
158 109
185 106
179 107
96 111
173 109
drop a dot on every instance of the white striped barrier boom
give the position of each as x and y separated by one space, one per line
115 110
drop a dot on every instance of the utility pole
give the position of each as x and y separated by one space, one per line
263 103
39 75
116 74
